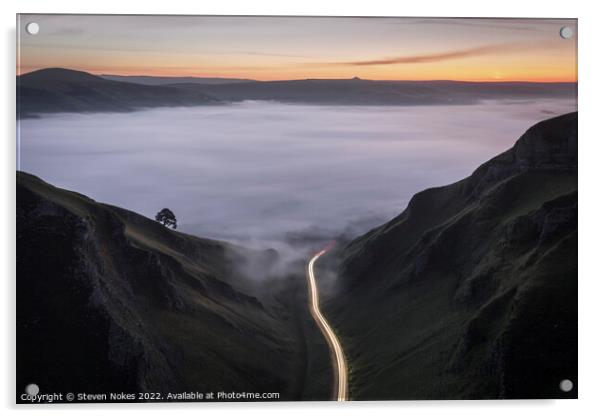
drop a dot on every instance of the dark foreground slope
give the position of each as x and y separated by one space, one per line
472 291
110 301
54 90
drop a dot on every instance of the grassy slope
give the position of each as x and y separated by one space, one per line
108 300
471 292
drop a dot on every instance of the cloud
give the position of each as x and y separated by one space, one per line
493 23
436 57
269 54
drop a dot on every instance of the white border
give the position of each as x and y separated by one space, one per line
590 155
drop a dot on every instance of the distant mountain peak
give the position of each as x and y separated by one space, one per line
63 90
59 74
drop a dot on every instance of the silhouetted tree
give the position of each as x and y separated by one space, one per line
167 218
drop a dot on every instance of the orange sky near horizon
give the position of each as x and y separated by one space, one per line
281 48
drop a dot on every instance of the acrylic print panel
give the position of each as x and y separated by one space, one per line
222 208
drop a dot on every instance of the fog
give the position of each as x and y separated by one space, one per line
263 173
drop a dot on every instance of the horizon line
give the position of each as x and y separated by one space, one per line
102 74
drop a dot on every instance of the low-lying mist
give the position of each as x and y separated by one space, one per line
271 175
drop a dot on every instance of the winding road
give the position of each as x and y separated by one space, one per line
339 363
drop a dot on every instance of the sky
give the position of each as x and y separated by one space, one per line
280 48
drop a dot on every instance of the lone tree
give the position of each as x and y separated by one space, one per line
167 218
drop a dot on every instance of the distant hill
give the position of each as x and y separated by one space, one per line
471 292
160 80
110 301
372 92
54 90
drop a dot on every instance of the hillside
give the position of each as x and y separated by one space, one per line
471 292
54 90
110 301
